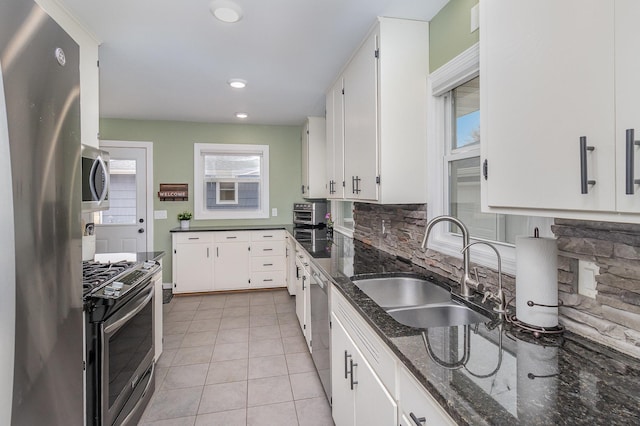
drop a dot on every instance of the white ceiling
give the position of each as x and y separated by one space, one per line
171 59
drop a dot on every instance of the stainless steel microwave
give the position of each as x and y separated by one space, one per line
95 179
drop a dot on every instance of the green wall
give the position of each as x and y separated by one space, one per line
173 163
449 32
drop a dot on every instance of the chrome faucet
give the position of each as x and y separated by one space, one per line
467 284
498 297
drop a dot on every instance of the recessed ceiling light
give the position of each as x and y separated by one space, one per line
226 10
237 83
241 115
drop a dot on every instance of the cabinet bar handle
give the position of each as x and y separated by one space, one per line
217 252
207 251
231 238
353 364
353 184
268 280
194 238
346 371
267 249
267 236
417 420
267 264
630 174
584 180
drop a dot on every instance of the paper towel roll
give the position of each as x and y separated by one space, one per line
537 280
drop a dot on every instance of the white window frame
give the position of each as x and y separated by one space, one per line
338 219
459 70
199 186
235 193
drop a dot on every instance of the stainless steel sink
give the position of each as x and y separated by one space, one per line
437 315
399 292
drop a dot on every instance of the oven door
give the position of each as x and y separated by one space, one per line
127 369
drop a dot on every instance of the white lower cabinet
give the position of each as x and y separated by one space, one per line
228 260
358 395
416 406
303 301
290 256
231 265
192 262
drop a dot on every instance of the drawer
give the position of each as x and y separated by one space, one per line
268 279
267 263
415 399
376 352
193 237
268 248
274 235
231 236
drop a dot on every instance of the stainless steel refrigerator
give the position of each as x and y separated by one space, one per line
41 343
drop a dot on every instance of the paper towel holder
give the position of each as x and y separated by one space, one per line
532 303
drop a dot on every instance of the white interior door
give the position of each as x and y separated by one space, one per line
123 228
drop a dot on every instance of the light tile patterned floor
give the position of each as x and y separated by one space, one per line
235 359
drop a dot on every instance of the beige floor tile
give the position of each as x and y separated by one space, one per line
172 341
227 371
173 403
233 335
300 362
204 325
285 307
265 347
212 302
314 412
237 311
195 355
262 320
214 313
269 390
263 309
181 421
175 327
287 317
166 358
282 296
267 366
223 397
233 300
223 418
201 338
234 322
265 332
185 305
306 385
283 414
262 298
185 376
290 330
230 351
175 316
161 373
294 344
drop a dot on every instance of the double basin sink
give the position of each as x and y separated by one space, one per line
417 302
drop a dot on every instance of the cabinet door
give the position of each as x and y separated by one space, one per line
548 69
304 139
194 267
361 123
627 34
373 403
291 265
342 349
231 266
335 142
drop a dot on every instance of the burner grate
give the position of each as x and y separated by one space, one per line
94 274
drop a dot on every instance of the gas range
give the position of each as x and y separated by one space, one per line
113 280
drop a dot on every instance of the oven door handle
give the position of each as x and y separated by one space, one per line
112 328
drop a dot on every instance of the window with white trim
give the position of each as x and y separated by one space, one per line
455 168
342 216
231 181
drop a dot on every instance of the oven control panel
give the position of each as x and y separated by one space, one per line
128 280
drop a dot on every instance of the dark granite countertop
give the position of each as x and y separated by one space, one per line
288 228
548 381
139 257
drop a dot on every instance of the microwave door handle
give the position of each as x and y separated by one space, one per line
105 188
92 179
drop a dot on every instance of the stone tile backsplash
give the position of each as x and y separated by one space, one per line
612 318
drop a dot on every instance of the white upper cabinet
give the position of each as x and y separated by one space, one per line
313 157
557 95
335 183
377 125
627 36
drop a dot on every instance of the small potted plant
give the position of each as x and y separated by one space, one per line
184 219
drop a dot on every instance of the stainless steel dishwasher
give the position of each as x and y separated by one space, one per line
320 335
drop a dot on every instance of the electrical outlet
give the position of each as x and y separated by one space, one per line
159 214
587 272
274 212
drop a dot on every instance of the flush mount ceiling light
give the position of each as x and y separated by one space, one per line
241 115
237 83
226 10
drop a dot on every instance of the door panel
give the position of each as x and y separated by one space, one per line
123 228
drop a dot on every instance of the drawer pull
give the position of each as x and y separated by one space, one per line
267 264
267 236
267 280
194 238
267 249
231 238
417 420
346 371
630 180
353 364
584 176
